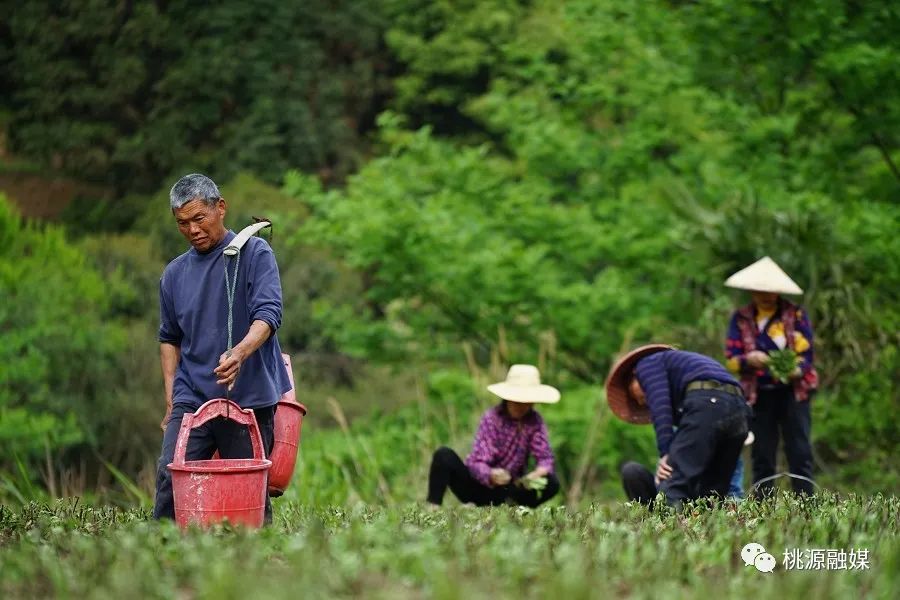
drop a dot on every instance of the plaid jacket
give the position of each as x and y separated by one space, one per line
744 336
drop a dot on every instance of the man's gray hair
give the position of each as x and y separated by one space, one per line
194 187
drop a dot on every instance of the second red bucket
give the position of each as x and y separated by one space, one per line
288 423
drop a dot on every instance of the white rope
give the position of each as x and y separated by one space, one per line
233 251
230 288
784 474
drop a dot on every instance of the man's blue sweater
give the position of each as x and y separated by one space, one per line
664 376
193 309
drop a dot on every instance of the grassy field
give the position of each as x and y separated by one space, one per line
71 550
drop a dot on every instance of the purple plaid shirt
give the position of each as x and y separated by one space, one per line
502 443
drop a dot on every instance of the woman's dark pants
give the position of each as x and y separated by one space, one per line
776 414
231 439
448 470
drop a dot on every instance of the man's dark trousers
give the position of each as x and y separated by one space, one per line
231 439
638 483
706 446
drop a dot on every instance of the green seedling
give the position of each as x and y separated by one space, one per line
783 363
534 483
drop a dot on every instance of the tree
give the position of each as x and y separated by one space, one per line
824 76
131 93
57 347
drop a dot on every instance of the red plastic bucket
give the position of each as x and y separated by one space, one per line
210 491
288 423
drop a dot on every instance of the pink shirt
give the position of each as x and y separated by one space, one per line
503 443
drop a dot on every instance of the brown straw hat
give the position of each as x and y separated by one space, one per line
617 395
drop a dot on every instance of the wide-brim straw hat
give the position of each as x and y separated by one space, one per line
620 402
523 384
763 276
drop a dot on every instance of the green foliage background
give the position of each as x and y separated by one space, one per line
456 186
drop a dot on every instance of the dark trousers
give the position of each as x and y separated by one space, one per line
448 470
776 411
706 446
638 482
231 439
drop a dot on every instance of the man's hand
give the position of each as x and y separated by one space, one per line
663 470
165 420
230 362
500 476
229 367
169 356
757 359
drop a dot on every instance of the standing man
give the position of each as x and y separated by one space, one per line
193 335
690 392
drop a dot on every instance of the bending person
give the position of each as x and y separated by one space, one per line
698 396
508 435
642 485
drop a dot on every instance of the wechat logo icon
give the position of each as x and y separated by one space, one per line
754 554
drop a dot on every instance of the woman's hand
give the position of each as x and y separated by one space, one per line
535 481
757 359
500 476
537 473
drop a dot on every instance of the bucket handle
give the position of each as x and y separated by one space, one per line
218 407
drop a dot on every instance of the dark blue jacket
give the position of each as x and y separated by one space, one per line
193 309
664 376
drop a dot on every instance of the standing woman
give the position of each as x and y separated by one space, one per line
769 323
509 433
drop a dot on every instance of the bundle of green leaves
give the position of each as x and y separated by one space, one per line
782 363
534 483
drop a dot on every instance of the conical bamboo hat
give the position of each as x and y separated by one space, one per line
763 276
